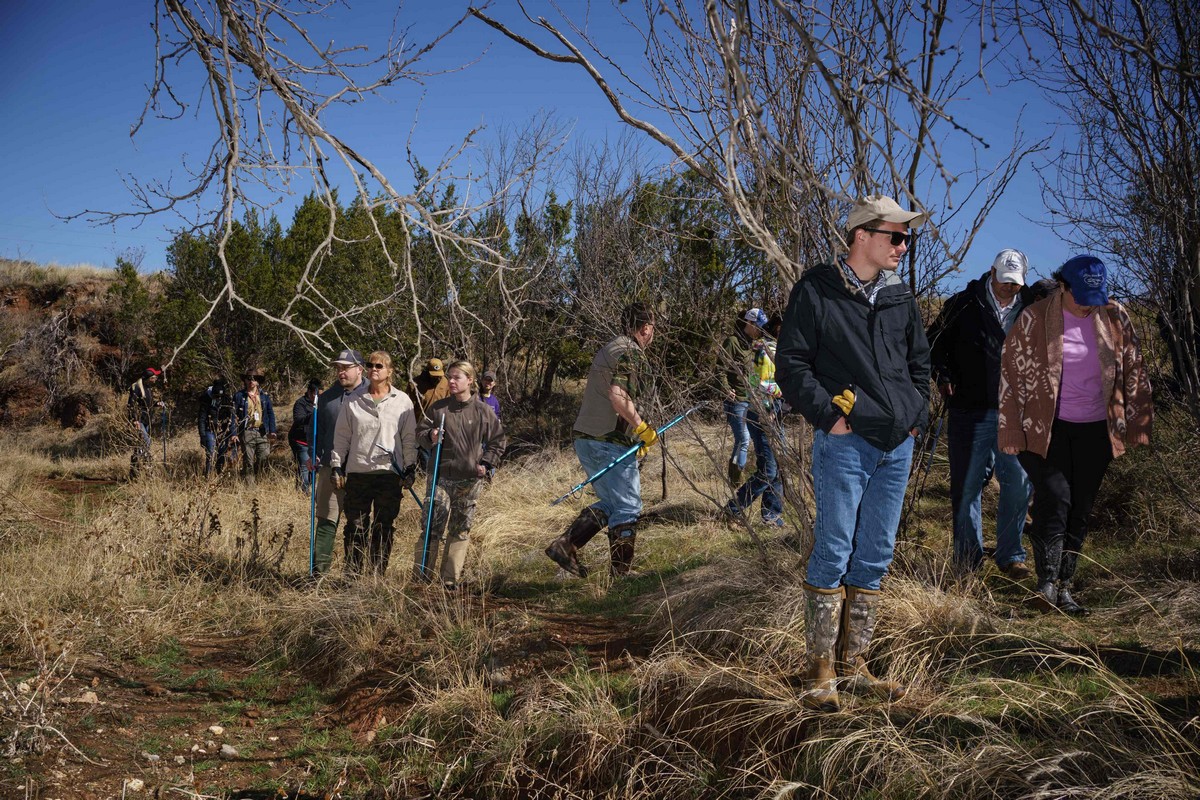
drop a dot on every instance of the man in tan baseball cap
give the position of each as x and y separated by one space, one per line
853 359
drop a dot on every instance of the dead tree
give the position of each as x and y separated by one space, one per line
1125 183
791 110
266 86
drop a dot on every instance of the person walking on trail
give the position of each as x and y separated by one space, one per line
853 359
737 355
607 425
760 419
374 458
472 446
142 404
213 422
1074 395
253 425
965 341
487 391
330 499
300 435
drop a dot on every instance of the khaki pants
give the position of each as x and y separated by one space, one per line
453 510
255 449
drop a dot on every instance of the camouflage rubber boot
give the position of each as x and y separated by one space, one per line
621 542
564 550
858 626
822 613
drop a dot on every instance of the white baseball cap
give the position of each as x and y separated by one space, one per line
1010 266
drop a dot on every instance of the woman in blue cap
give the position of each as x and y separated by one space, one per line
1073 396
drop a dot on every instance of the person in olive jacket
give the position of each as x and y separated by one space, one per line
853 359
472 446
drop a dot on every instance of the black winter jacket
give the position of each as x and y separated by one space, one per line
215 411
833 339
301 430
966 342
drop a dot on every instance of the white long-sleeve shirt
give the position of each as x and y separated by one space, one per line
368 433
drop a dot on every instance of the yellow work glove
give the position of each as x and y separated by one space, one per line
648 436
844 401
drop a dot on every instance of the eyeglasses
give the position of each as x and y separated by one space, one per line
255 378
898 237
376 365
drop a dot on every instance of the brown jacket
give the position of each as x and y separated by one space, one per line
473 436
1031 374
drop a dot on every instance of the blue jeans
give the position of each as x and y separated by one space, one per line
619 489
211 446
303 461
974 455
859 491
735 415
765 482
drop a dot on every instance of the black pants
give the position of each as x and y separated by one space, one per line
365 491
1065 485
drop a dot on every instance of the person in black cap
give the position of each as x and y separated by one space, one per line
215 411
350 383
487 391
253 424
141 404
300 435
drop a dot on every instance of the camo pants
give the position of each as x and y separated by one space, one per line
453 510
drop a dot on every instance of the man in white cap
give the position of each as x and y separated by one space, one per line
967 339
853 359
350 384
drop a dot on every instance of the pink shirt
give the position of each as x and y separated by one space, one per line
1080 399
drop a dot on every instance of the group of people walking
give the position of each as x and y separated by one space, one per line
1044 386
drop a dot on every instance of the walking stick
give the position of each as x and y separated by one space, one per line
577 488
433 479
312 492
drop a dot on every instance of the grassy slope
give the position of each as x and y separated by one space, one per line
181 605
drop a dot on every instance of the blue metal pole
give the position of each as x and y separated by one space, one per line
312 491
433 479
604 470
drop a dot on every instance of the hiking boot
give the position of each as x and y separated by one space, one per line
564 550
857 630
1067 604
1016 571
1045 599
621 542
822 615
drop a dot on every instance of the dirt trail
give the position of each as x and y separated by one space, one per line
164 718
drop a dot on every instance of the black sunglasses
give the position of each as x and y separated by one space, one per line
376 365
255 378
898 237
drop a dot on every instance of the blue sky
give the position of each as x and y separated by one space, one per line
73 77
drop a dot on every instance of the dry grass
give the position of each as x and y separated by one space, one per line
1002 704
28 273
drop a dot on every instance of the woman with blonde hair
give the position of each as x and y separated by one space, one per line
374 458
472 444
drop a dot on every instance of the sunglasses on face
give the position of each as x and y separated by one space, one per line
255 378
376 365
898 237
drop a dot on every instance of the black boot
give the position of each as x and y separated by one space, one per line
564 550
1045 599
621 542
1067 604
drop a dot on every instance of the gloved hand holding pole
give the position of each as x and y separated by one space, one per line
644 432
